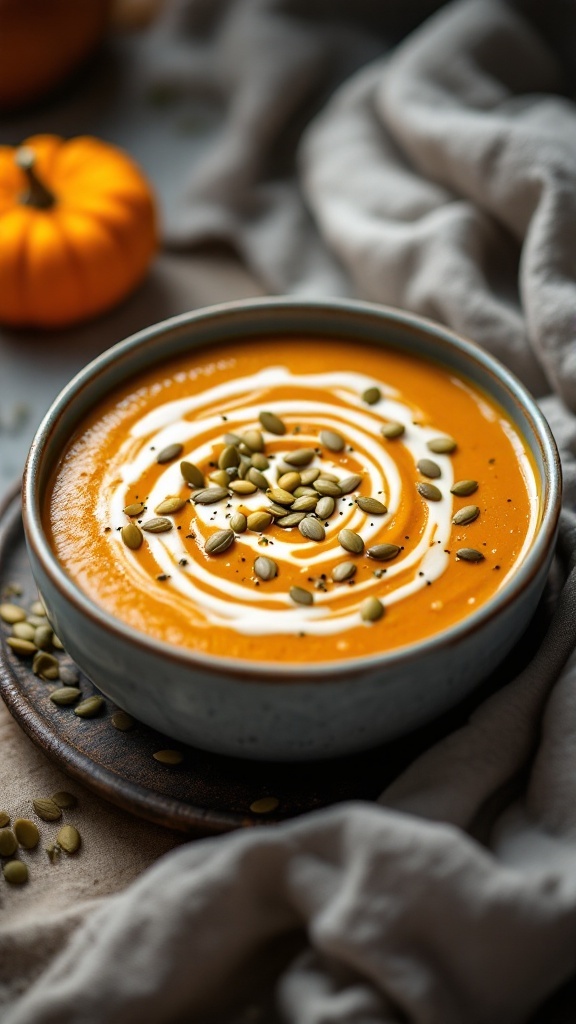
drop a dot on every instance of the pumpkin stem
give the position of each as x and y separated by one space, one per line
36 194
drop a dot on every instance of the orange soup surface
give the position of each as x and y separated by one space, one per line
293 500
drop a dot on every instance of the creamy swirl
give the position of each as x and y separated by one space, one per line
198 422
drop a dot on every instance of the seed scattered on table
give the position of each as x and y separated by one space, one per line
47 809
12 613
24 631
46 666
25 648
15 872
64 799
4 819
168 756
68 839
69 675
26 833
8 842
265 805
122 721
65 695
90 707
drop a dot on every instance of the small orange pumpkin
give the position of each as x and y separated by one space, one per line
77 230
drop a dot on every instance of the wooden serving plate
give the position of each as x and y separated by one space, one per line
206 793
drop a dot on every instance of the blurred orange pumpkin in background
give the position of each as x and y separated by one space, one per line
77 230
44 41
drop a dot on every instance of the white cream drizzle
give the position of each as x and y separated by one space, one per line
252 610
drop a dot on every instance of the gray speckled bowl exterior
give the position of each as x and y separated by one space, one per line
264 710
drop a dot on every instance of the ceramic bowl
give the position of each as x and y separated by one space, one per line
287 712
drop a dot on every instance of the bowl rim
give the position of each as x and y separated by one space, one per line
259 671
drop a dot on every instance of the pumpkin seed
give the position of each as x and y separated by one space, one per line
27 833
292 519
158 525
272 423
429 491
68 839
192 474
43 637
132 536
264 805
25 648
64 799
238 522
300 457
383 552
462 488
24 630
371 610
325 486
279 496
302 492
47 810
4 818
305 503
308 476
38 608
15 872
65 695
466 515
8 842
90 707
53 852
69 675
429 468
289 481
325 507
312 529
56 642
243 487
229 457
469 555
233 439
258 521
253 440
371 395
169 453
209 495
332 440
219 542
351 541
265 568
276 510
170 505
392 430
257 478
301 596
259 461
442 445
349 483
371 505
135 509
46 666
168 756
122 721
37 620
343 571
220 477
12 613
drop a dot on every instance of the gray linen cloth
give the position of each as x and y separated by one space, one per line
440 178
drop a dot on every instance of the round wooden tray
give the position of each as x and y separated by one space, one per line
206 793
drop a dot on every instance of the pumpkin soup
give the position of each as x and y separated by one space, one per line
293 500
